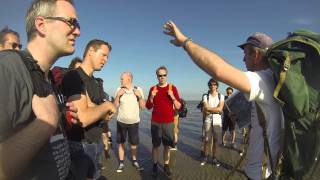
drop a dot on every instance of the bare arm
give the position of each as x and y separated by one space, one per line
89 114
18 150
209 61
217 109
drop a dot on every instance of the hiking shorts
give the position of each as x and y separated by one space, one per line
211 131
131 129
227 124
162 132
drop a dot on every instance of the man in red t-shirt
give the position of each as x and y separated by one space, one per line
163 99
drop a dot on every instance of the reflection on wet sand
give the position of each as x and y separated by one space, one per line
185 163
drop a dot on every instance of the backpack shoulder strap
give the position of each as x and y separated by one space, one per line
170 87
41 87
263 124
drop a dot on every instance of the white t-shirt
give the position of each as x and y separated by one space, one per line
129 110
262 87
213 102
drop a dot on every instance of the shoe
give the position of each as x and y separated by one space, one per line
215 162
120 168
174 148
204 161
101 166
166 170
155 170
137 166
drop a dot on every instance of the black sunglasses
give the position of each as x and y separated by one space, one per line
15 45
72 22
162 75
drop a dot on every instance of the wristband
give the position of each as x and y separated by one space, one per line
185 42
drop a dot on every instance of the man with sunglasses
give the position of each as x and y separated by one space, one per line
257 84
32 140
212 107
163 99
9 39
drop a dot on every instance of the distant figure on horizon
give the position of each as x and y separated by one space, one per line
9 39
129 99
212 108
163 99
257 84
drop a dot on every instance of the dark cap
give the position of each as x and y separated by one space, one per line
259 40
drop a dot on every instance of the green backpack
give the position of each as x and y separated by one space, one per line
295 62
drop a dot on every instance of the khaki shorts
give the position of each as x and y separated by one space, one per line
212 131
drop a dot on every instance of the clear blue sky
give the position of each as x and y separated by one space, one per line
134 28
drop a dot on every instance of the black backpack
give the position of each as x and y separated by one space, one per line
183 111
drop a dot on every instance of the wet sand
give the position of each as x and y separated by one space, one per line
185 162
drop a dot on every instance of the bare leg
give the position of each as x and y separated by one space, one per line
121 151
166 154
134 152
155 154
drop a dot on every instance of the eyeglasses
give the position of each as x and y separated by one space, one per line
15 45
210 85
72 22
162 75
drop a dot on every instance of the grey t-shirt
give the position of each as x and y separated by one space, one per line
53 159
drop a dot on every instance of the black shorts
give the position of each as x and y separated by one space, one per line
162 132
227 124
131 129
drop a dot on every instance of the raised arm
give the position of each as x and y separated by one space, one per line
208 61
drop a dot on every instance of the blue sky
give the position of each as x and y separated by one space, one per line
134 28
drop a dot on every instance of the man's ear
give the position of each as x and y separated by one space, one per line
40 25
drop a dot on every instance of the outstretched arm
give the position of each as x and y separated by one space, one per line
208 61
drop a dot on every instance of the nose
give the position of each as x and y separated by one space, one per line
76 32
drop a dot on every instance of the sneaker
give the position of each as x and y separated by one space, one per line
215 162
155 170
166 170
174 148
101 166
204 161
137 166
120 168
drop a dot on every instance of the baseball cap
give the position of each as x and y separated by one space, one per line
259 40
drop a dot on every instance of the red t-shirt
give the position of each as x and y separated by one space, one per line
163 110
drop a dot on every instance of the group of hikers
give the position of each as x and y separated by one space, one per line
51 128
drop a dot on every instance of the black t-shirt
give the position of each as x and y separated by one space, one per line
53 159
78 82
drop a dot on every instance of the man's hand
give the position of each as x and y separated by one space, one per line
137 93
172 30
121 92
71 113
154 93
46 109
111 111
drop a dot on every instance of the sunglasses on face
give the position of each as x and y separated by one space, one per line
162 75
72 22
15 45
210 85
